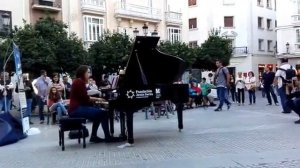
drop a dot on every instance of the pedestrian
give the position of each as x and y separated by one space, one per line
42 85
29 97
232 89
282 79
80 106
267 80
250 84
222 78
68 86
55 103
6 94
240 88
294 104
205 90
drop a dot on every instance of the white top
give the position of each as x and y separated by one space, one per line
250 82
281 73
240 83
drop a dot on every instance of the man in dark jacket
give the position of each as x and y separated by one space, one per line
268 78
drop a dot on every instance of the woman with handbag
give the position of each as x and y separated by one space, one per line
250 84
240 88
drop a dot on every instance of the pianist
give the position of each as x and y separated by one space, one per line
81 106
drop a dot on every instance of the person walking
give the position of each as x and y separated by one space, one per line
250 84
232 89
267 80
222 78
42 85
282 81
240 88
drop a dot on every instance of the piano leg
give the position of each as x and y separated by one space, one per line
122 126
179 116
111 121
129 122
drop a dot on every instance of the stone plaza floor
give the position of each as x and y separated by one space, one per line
256 136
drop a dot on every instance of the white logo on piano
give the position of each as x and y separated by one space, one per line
130 94
157 93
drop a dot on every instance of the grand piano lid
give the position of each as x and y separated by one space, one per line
148 66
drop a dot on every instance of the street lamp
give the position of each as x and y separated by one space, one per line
145 29
287 47
136 32
155 33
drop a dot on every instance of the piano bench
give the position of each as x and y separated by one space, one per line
70 124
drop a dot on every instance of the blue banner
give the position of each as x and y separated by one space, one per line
17 56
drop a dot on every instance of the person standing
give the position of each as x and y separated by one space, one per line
42 85
250 84
232 88
67 87
6 92
267 80
280 80
222 78
29 97
57 83
240 88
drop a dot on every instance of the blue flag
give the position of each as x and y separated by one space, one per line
17 56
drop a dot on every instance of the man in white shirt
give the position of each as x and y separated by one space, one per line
281 73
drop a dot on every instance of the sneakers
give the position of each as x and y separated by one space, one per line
112 139
42 122
218 109
297 122
286 112
228 106
95 139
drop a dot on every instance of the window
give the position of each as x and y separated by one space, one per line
260 22
93 2
193 23
297 35
260 44
192 2
269 24
92 27
270 45
228 21
269 5
260 3
193 44
173 34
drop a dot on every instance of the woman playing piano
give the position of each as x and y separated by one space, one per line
80 106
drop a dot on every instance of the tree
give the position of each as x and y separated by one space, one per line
47 45
214 48
109 52
179 49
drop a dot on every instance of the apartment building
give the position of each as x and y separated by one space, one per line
250 24
288 31
91 18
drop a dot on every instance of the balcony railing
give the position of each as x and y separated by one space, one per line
49 5
93 6
296 19
240 51
174 17
137 11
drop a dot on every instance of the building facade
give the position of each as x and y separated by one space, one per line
91 18
250 24
288 31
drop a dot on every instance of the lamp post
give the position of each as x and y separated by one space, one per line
154 33
6 21
136 32
287 45
145 29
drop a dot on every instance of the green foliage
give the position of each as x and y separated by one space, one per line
46 45
179 49
110 51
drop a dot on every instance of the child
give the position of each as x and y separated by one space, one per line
55 103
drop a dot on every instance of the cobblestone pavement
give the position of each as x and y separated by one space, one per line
257 136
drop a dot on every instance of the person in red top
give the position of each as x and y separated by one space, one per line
55 103
80 106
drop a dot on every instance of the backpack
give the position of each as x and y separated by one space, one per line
289 73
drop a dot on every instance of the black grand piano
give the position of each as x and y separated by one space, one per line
149 76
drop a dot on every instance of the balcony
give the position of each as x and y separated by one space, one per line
93 7
296 19
240 51
173 18
47 5
137 12
297 48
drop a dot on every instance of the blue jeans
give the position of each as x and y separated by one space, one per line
294 105
6 108
252 97
41 103
94 114
283 99
222 96
29 109
59 108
